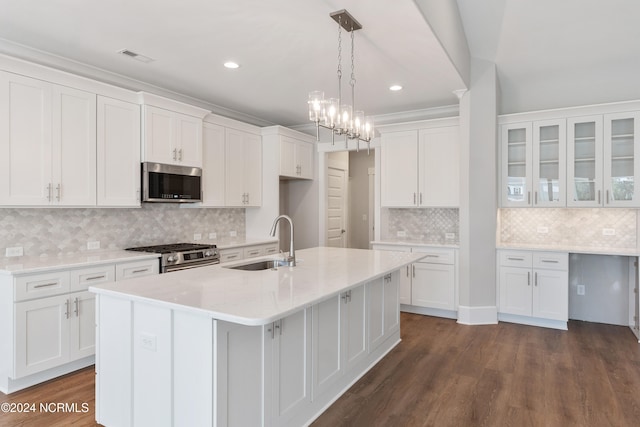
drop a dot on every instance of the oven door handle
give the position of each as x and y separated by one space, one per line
188 266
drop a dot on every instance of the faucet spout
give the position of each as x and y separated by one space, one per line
292 253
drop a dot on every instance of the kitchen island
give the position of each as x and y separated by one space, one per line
226 347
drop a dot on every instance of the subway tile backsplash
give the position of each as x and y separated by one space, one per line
569 227
66 231
424 225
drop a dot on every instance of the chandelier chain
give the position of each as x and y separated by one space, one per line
352 82
340 60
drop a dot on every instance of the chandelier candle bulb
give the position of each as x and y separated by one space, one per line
316 106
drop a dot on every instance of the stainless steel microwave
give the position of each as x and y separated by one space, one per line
171 183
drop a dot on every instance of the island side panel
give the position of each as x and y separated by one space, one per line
114 364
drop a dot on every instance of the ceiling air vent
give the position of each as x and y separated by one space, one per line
136 56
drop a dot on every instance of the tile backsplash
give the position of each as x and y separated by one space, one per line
569 227
424 225
66 231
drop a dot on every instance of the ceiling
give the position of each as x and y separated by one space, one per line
286 48
548 53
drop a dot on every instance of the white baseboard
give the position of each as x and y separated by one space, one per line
487 315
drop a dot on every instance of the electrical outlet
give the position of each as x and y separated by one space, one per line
581 289
543 230
233 233
401 234
148 341
95 244
608 231
14 251
197 236
449 236
213 235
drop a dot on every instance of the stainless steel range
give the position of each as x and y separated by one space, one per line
181 256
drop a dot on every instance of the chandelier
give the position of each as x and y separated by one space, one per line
332 113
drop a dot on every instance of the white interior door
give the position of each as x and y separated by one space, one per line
336 208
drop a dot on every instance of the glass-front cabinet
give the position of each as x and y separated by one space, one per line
621 160
549 163
584 164
516 165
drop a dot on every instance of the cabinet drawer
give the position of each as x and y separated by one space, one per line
516 259
551 260
436 256
41 285
137 269
271 248
253 251
234 254
82 279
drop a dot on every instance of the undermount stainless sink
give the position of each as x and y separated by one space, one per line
272 264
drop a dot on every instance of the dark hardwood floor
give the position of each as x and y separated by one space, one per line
446 374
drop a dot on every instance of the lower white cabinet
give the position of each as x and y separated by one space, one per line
48 320
534 286
383 319
240 253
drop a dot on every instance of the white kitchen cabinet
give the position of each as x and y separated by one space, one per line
327 348
405 285
584 161
118 153
621 159
534 286
516 176
296 158
243 176
49 143
382 308
213 165
82 327
429 176
171 137
433 279
231 254
354 337
132 269
288 353
549 163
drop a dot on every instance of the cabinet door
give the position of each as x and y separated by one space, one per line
399 169
375 311
391 303
354 337
159 135
42 334
118 157
439 167
515 291
549 163
291 365
621 160
405 285
327 362
551 294
253 169
516 165
25 140
234 194
74 147
433 286
82 334
189 140
304 154
288 164
213 165
584 161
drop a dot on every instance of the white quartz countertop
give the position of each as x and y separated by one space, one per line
415 244
570 249
260 297
29 265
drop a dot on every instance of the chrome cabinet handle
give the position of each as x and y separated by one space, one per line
535 278
598 196
528 278
139 271
529 197
45 285
95 277
180 154
413 267
49 192
535 198
552 261
420 198
515 259
66 309
76 307
607 196
58 192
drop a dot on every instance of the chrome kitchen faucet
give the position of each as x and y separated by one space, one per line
291 259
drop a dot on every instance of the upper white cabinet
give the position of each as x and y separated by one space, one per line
213 165
172 131
49 143
118 156
243 176
420 168
587 160
296 158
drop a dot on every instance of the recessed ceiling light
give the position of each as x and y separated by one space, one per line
395 88
231 64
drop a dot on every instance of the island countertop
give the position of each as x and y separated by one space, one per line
260 297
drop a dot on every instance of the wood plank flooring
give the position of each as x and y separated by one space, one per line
446 374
